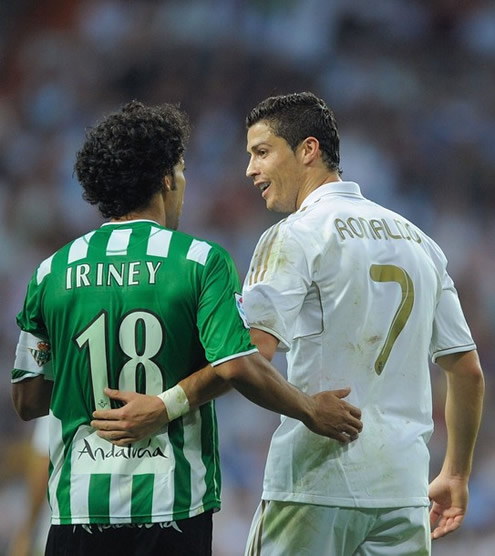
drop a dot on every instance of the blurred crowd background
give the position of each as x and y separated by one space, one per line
411 83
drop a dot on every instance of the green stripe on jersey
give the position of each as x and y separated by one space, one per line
182 482
142 498
99 498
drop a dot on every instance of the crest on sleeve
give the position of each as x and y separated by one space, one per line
42 354
240 309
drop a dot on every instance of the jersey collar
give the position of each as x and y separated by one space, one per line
346 188
121 223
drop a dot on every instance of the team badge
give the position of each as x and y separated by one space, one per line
42 354
240 308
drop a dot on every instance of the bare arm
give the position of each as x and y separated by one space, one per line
253 376
266 343
31 397
449 491
143 415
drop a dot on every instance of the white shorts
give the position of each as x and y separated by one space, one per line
292 529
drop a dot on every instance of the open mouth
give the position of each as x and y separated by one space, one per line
263 187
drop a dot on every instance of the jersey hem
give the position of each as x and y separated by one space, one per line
318 500
27 375
450 351
126 520
234 356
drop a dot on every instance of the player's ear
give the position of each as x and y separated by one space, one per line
169 183
310 148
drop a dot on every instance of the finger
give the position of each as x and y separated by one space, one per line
113 435
108 425
350 420
351 432
120 395
434 517
446 526
354 411
342 392
124 442
354 423
440 532
107 414
339 435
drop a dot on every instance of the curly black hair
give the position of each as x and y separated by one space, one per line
126 156
297 116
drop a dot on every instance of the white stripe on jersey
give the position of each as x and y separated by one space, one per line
44 269
164 489
79 248
56 458
198 251
118 242
159 242
192 452
79 494
120 498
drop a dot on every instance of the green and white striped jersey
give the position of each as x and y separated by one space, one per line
138 307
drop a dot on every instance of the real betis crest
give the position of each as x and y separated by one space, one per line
42 354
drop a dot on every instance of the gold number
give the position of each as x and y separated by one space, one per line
391 273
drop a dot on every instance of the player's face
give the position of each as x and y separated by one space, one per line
175 197
276 170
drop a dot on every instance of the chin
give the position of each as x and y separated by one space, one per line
274 207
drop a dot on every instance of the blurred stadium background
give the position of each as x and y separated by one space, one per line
412 85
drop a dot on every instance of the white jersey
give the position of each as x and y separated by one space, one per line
358 296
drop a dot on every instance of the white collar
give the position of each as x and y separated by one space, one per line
334 188
122 222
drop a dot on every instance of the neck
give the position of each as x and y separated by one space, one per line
154 211
313 182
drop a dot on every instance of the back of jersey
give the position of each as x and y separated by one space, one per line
381 280
137 307
354 293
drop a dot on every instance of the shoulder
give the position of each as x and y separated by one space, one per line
202 251
46 266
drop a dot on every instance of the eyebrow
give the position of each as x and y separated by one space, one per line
257 146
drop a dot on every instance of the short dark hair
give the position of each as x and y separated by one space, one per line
297 116
126 156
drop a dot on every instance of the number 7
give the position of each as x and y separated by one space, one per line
391 273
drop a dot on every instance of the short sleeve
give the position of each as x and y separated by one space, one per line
451 332
277 283
33 353
222 330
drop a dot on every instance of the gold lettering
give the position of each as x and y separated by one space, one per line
341 227
350 223
377 228
388 230
414 235
402 230
367 228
